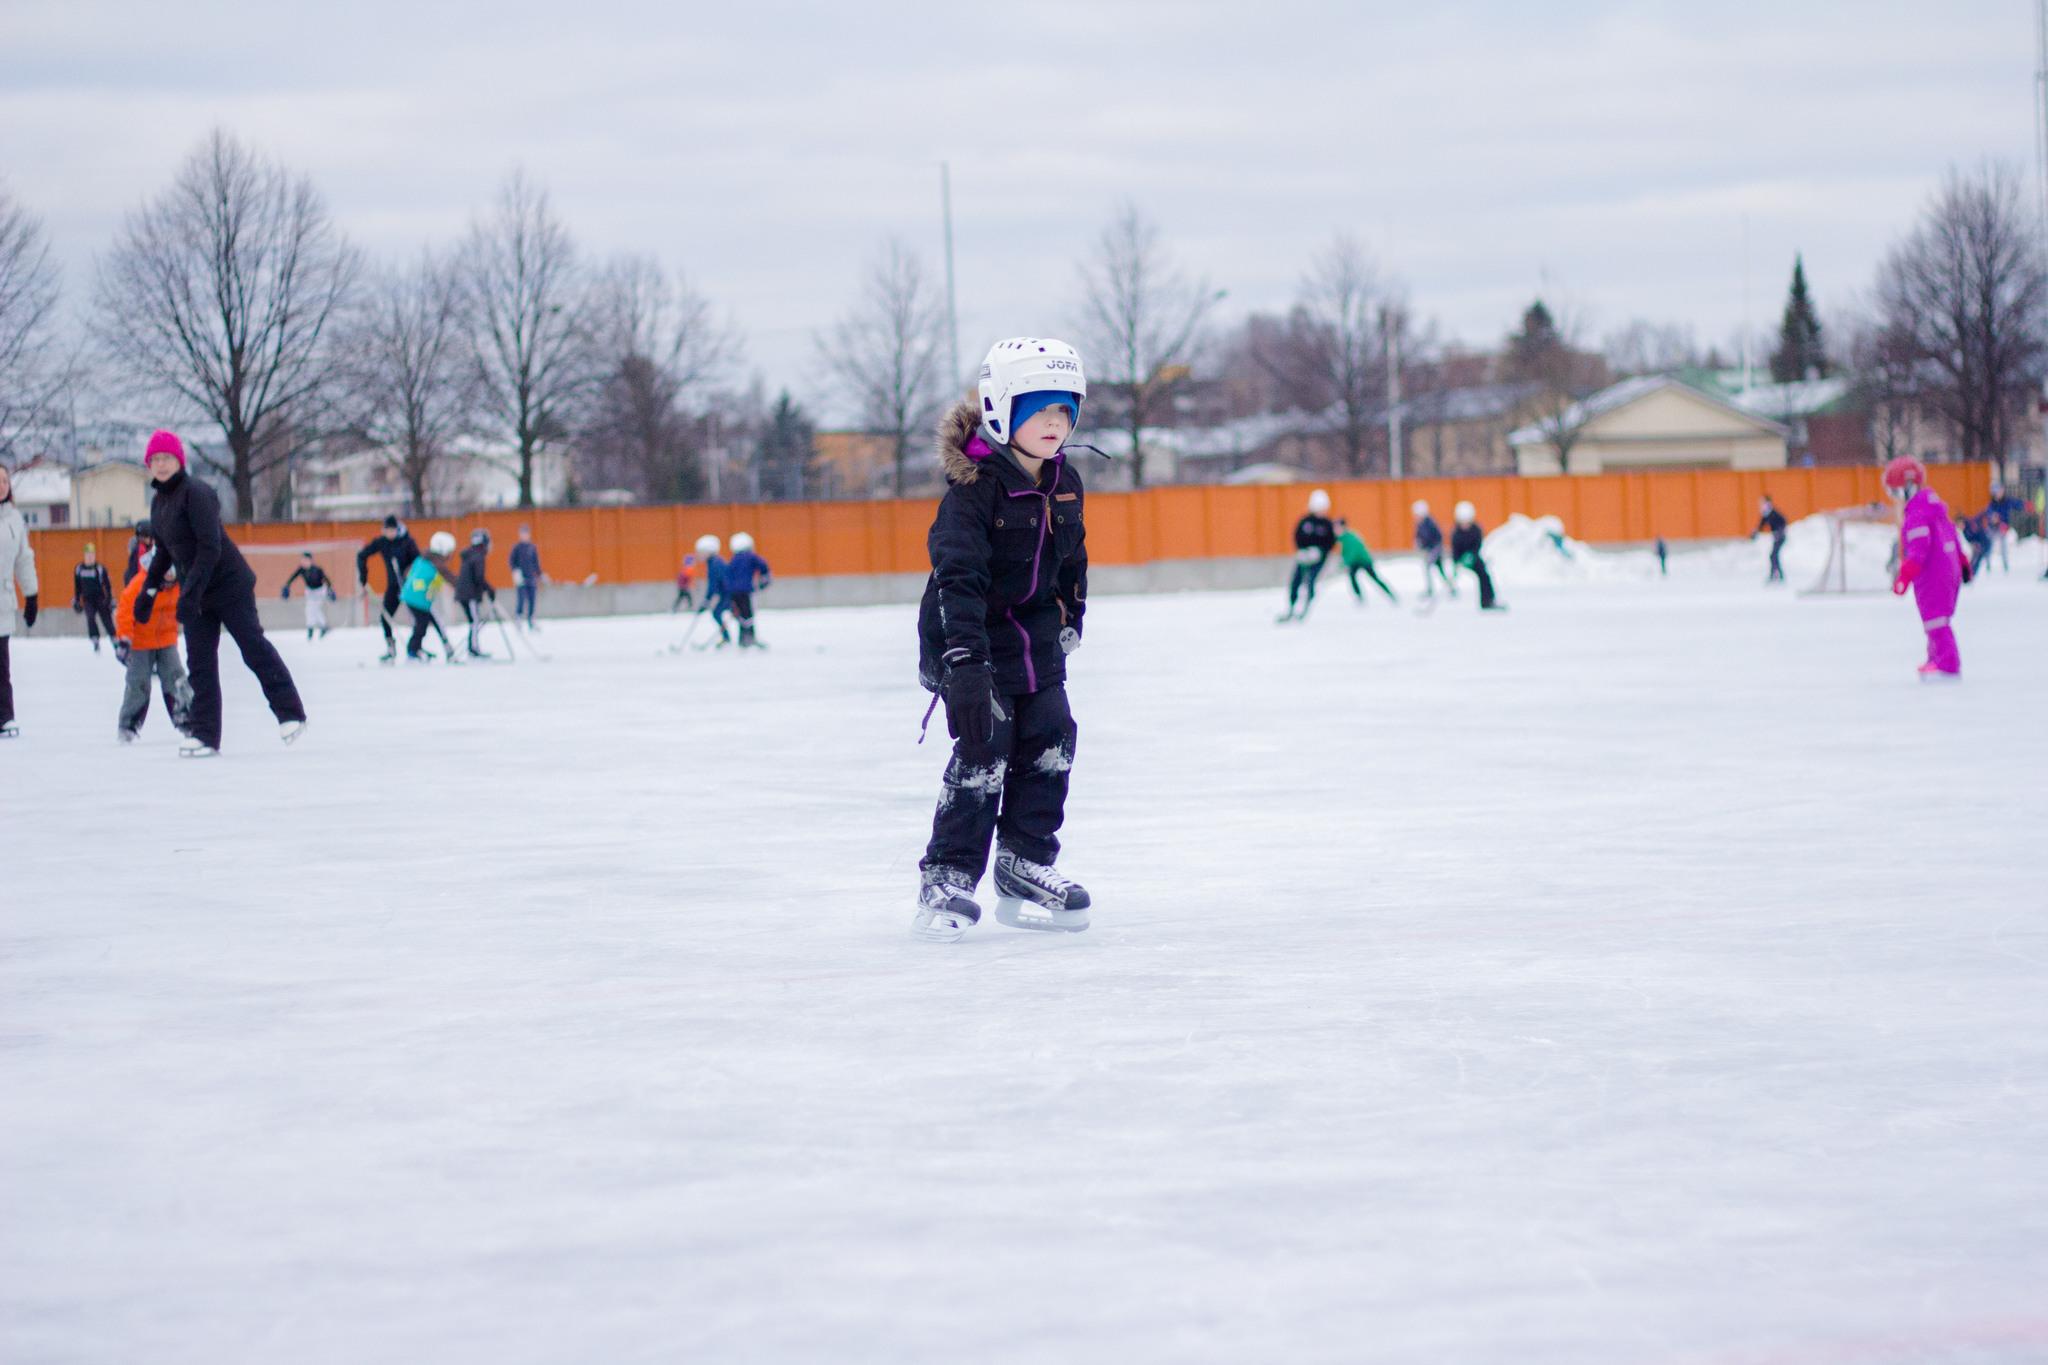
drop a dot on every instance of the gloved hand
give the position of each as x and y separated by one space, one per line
145 603
1070 640
1908 571
286 594
121 649
971 703
363 581
78 605
491 593
29 608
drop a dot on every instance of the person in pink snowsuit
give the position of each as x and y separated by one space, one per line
1930 563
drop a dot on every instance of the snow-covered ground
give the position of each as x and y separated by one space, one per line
1655 972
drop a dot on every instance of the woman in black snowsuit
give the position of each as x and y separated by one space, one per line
218 594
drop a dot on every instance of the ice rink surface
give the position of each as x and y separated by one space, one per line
1654 973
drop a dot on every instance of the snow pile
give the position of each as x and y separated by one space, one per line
1523 550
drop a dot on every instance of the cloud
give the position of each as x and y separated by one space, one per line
1613 149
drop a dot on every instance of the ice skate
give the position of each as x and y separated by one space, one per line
1933 673
289 730
1037 896
197 748
945 906
10 731
127 736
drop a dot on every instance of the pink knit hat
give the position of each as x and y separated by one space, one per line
164 443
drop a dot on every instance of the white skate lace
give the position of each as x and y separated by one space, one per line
1045 874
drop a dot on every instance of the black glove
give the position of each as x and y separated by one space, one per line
491 593
121 650
145 603
29 610
286 594
971 704
78 605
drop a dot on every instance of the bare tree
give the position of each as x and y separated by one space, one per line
660 348
29 374
1334 354
224 291
531 323
1968 291
1887 369
1644 347
886 352
1142 322
416 382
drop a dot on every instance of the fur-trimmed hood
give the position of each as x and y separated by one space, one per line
961 446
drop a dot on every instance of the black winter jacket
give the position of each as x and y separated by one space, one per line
1428 535
185 514
470 583
1772 521
1009 565
1466 540
91 587
1314 532
398 552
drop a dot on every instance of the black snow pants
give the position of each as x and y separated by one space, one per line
1777 574
97 613
1478 568
1373 574
237 617
1015 786
1303 583
390 614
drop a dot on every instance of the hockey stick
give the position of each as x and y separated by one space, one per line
696 619
491 605
526 637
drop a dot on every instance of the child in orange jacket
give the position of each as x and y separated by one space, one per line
150 647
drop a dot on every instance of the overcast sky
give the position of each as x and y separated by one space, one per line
1606 154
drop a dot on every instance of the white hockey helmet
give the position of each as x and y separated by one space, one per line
1024 365
741 541
707 545
1319 502
442 543
1464 512
1419 508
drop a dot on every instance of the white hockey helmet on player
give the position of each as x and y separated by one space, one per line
1464 512
1420 509
1319 502
1025 365
707 545
741 541
442 543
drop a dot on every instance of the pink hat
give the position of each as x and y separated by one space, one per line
164 443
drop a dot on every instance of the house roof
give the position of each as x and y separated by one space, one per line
1617 396
42 485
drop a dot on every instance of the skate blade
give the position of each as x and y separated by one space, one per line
1023 914
936 928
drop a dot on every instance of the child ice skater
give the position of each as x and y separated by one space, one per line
1358 560
1002 610
1429 543
1315 535
1930 563
428 574
319 592
150 649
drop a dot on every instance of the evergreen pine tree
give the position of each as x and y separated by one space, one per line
788 451
1800 352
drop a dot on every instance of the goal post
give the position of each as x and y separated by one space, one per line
1862 548
274 563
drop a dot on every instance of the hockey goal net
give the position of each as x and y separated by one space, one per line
274 564
1862 551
